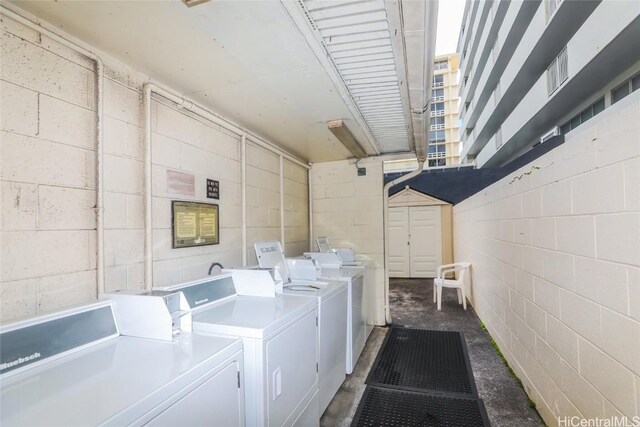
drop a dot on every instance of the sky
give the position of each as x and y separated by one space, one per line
449 19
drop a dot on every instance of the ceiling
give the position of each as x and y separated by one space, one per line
263 64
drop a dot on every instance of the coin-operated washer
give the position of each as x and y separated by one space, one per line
357 275
76 367
299 277
357 328
279 335
347 255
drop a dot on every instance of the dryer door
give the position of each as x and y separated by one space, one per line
291 369
217 402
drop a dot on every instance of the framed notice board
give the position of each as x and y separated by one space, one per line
194 224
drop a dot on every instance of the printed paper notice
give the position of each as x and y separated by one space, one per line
195 224
186 225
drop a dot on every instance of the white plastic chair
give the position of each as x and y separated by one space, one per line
439 282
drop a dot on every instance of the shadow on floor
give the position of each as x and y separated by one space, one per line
412 306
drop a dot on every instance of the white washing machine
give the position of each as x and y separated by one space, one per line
357 329
332 336
332 297
73 368
279 336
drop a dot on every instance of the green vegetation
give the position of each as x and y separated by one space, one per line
531 403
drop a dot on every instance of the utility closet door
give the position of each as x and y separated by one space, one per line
415 241
399 253
425 227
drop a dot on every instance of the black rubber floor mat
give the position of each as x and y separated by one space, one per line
389 407
422 360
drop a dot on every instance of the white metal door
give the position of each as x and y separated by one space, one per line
217 402
291 368
333 345
425 230
399 253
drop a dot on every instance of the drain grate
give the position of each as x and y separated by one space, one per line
423 360
388 407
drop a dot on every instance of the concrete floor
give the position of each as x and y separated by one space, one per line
412 306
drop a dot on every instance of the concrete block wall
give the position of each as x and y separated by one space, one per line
296 208
347 208
188 144
263 198
48 175
555 253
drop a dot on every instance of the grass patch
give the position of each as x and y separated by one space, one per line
530 402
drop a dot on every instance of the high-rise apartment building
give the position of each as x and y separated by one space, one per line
533 69
443 121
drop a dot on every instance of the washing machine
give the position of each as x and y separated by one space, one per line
357 328
75 368
332 298
279 336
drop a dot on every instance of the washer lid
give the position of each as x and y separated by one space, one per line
249 316
342 273
271 255
115 382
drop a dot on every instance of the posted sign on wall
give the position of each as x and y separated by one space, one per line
213 189
194 224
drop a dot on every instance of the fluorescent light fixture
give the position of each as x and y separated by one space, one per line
344 135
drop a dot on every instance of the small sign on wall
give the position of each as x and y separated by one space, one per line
180 183
213 189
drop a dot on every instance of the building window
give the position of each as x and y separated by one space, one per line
595 108
438 151
437 148
437 109
437 162
436 135
438 81
437 95
625 88
557 72
436 123
441 65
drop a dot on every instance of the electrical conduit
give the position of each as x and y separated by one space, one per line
385 195
99 70
188 105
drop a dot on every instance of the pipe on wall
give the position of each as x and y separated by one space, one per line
99 71
148 202
385 196
310 205
282 237
183 103
243 165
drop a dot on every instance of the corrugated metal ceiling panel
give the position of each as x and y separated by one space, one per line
356 36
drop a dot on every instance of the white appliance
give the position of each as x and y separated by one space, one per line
332 298
279 335
347 256
357 329
151 314
74 368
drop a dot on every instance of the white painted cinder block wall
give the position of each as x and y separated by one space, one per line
555 253
347 208
47 172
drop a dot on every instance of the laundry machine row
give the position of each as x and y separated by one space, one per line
280 339
74 367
